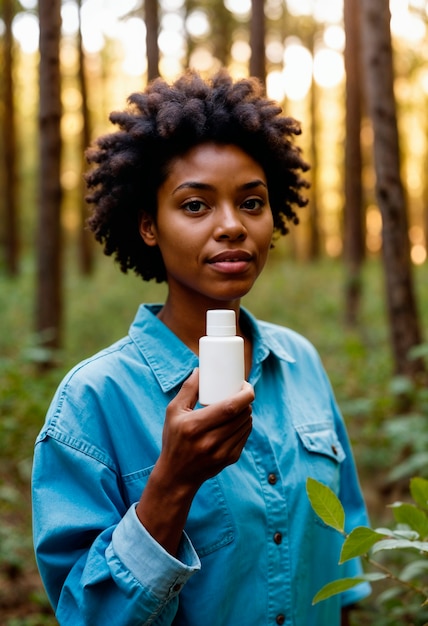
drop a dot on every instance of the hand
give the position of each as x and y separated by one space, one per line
198 444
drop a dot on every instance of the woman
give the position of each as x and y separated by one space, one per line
148 507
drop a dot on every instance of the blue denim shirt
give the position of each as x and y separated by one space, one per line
253 552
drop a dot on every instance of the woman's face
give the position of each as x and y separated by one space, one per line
214 224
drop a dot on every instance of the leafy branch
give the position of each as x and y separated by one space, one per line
362 541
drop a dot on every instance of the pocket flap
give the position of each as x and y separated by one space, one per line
320 438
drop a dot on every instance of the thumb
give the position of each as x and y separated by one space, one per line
187 397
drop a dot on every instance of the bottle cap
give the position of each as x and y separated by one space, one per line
221 323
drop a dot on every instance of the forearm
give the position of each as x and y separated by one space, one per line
91 574
163 509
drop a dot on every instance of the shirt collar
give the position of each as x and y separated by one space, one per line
172 361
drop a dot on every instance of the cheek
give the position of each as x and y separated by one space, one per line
266 234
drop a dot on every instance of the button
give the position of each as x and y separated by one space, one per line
334 450
280 619
176 587
277 538
272 478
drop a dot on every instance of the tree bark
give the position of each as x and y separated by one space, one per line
257 40
354 231
314 248
86 256
151 18
49 257
9 149
379 77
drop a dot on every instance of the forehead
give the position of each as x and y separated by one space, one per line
215 160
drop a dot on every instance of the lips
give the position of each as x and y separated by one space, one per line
231 256
231 261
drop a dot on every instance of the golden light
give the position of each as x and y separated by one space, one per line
201 59
275 85
69 179
406 24
197 23
25 29
72 98
68 55
275 51
297 74
238 7
333 245
170 67
374 229
334 37
71 125
416 235
133 37
171 5
373 220
240 51
418 254
329 68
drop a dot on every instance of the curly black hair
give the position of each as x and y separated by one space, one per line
164 122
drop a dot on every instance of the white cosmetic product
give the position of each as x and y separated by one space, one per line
221 358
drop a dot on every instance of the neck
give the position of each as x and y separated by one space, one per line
189 322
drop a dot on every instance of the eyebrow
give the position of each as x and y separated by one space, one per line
190 184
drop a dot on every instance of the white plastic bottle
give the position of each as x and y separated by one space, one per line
221 358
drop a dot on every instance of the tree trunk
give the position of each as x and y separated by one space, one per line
49 257
86 257
379 76
314 248
354 231
151 19
257 40
425 183
9 149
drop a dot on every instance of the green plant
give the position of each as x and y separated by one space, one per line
410 534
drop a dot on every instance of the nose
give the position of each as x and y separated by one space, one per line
229 225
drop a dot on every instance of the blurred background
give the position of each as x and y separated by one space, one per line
352 276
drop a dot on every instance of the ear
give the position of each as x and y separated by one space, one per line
148 230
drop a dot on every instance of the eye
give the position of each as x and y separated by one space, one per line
195 206
253 204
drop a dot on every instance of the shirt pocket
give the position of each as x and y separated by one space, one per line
323 452
209 524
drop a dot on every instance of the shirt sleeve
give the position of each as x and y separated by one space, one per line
95 558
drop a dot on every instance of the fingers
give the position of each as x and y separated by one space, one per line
227 410
199 443
187 397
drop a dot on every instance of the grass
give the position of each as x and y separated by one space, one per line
99 310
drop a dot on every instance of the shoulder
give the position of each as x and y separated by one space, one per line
101 365
295 344
94 384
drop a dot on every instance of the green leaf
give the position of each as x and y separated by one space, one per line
414 570
400 544
411 466
359 542
419 491
413 517
401 385
343 584
404 533
418 351
326 504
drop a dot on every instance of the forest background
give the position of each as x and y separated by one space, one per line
352 276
